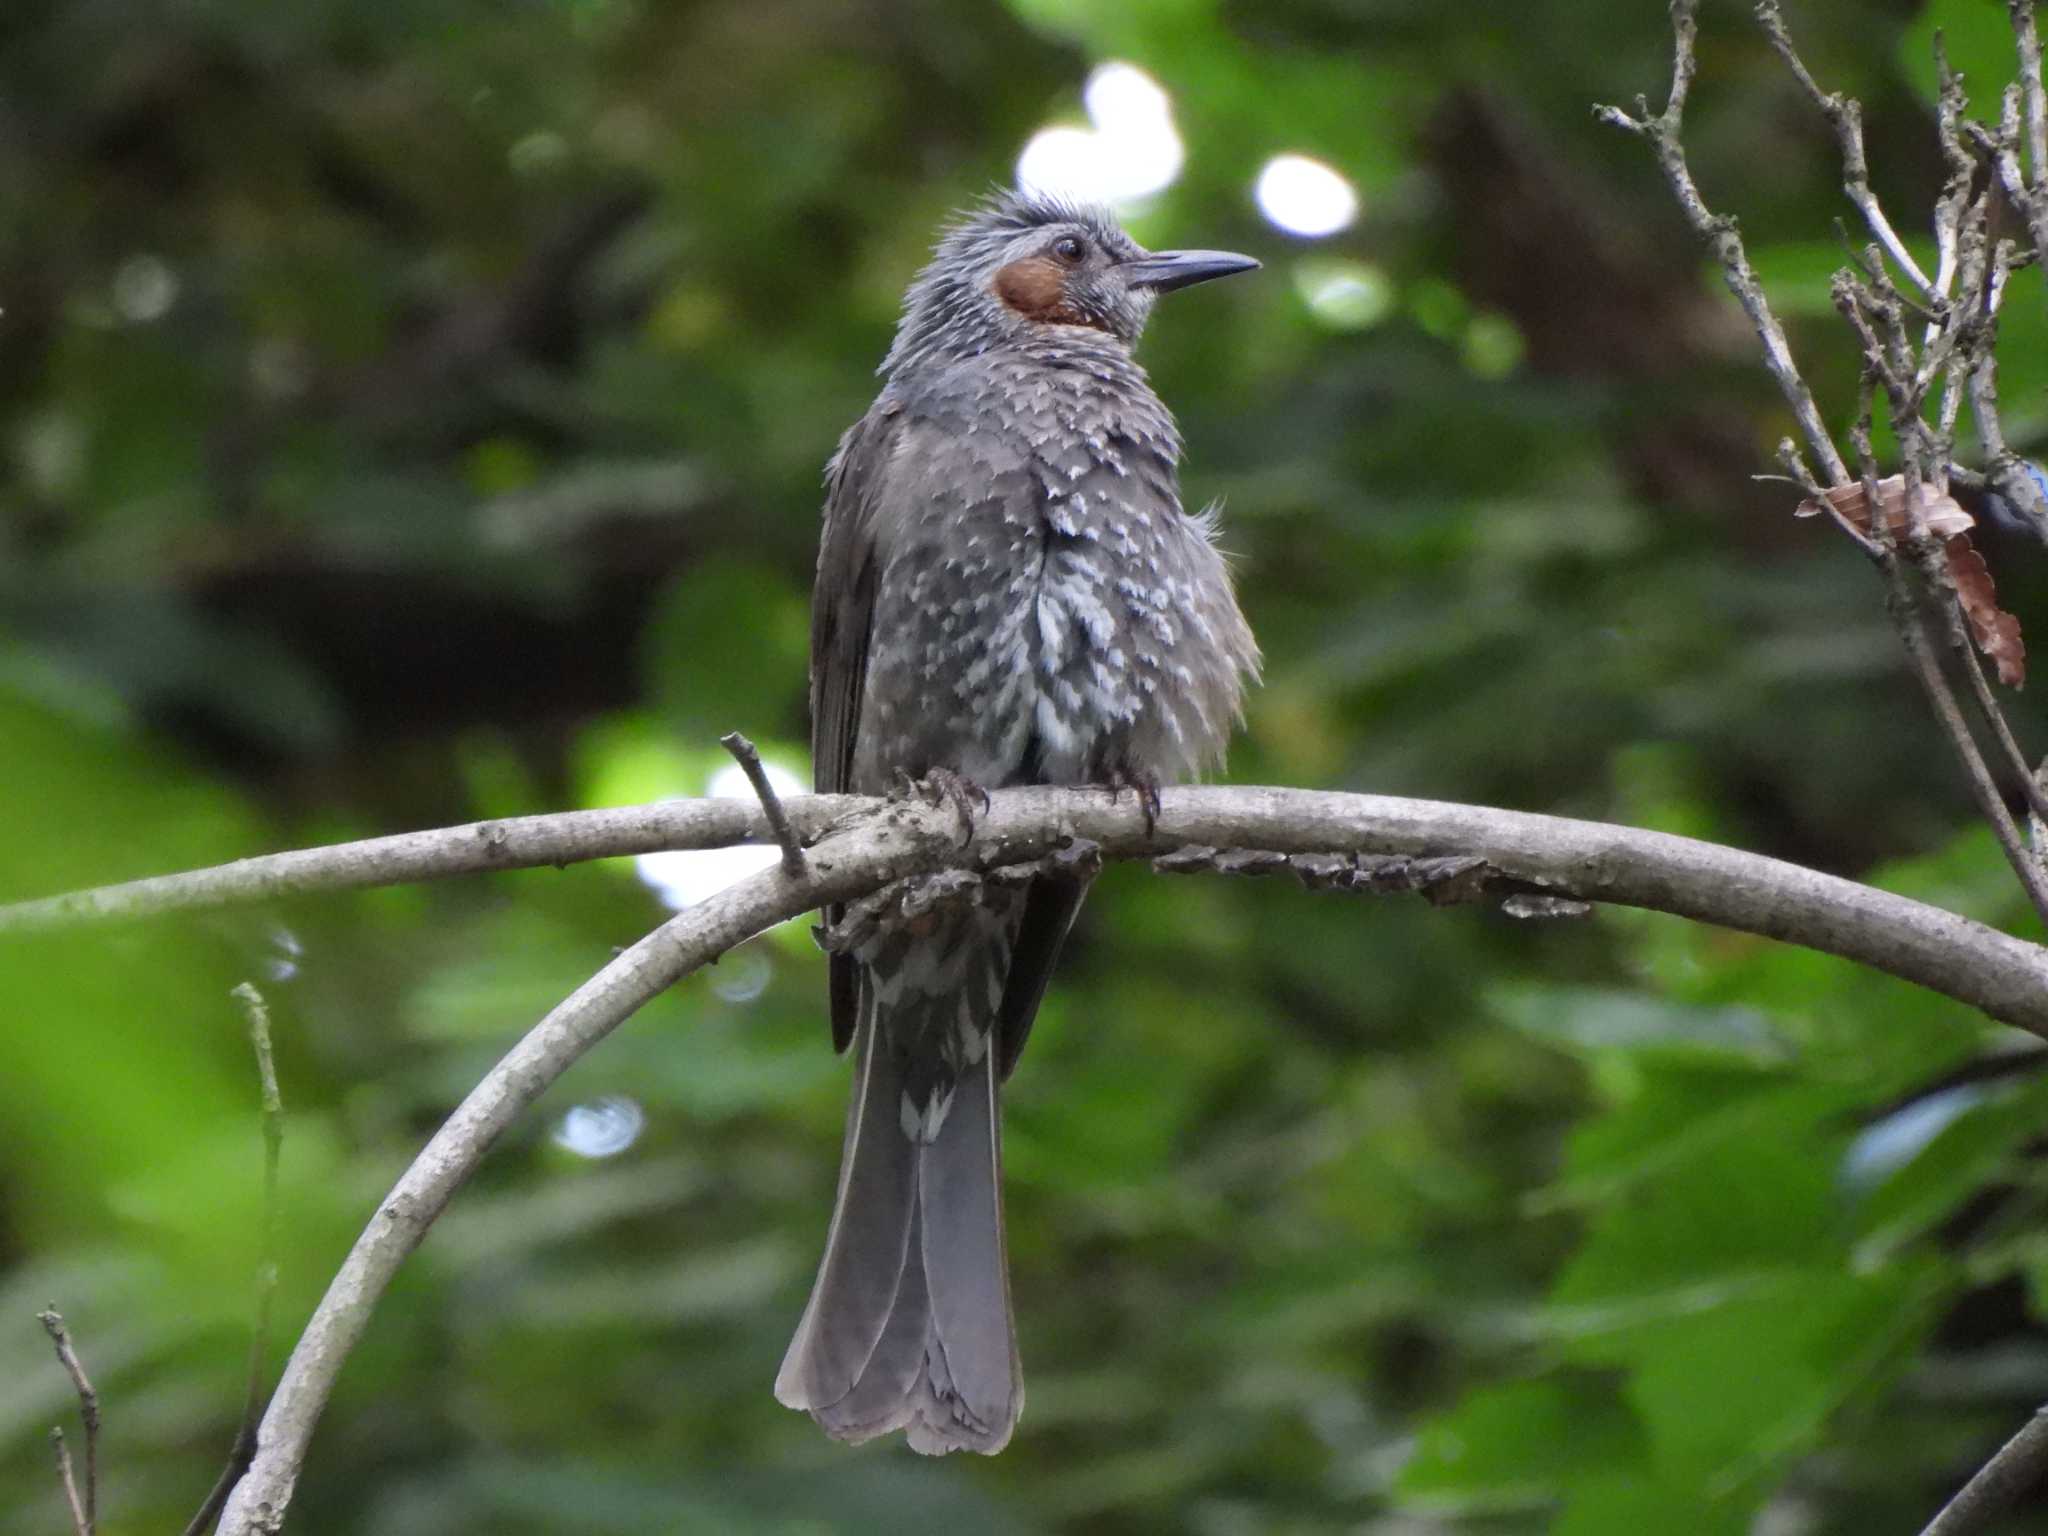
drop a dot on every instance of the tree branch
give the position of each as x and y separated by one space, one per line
884 841
749 759
2017 1468
1956 349
83 1503
243 1451
1583 860
1845 116
1721 236
523 842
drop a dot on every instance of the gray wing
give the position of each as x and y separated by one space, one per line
842 615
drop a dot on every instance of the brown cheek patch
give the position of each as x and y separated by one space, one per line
1037 289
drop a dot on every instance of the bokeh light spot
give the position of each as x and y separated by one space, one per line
1493 346
145 288
602 1128
1344 295
1131 151
1305 197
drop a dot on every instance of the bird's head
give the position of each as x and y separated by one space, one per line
1024 264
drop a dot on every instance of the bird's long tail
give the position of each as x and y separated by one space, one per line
909 1322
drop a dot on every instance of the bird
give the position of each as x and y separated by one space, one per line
1008 592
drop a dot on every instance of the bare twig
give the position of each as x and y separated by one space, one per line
2005 472
1662 132
1957 343
1987 704
1802 476
67 1479
2028 39
85 1500
257 1013
1845 116
771 804
1990 804
2002 149
1999 1484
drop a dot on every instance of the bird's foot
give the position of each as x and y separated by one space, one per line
1146 783
942 786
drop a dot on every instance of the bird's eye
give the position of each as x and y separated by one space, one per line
1069 249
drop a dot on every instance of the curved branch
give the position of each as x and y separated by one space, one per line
477 847
1592 861
897 842
1999 1484
871 843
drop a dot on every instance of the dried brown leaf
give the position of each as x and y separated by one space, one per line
1944 516
1996 632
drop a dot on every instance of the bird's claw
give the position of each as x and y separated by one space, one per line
1147 787
944 785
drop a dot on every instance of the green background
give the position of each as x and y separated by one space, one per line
412 411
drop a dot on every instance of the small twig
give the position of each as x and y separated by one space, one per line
1990 804
1876 310
85 1504
1973 665
1962 173
2028 39
1973 322
2016 1469
1797 470
257 1012
2037 824
2002 149
1845 115
1719 232
771 804
2005 472
69 1482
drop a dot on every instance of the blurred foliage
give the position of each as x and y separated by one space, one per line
414 411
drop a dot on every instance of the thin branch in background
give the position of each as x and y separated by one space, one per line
1845 115
771 803
1957 341
68 1480
85 1499
1797 469
1662 132
2003 147
1962 230
1952 210
1990 804
2028 38
1987 704
2016 1470
257 1013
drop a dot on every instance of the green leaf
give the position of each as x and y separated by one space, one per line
1523 1441
1730 1392
1963 1156
1630 1504
1591 1019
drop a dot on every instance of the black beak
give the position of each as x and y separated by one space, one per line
1168 270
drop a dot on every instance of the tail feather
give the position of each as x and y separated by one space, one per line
961 1205
867 1246
885 1393
909 1323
